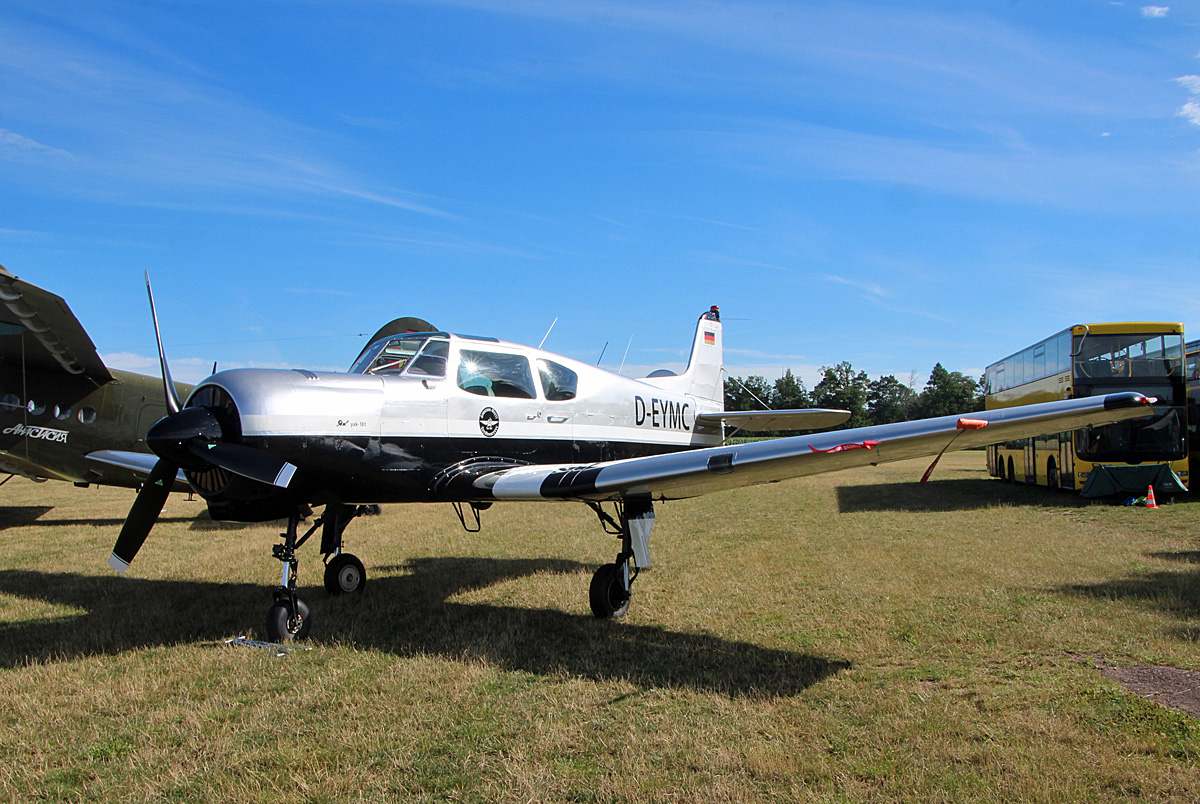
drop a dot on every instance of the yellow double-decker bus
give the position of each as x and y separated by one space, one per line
1090 360
1192 369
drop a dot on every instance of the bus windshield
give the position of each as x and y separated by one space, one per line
1101 357
1161 438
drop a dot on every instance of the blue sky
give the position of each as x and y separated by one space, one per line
893 184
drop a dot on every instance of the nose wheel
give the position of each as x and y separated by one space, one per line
288 620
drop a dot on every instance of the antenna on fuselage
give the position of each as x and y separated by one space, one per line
547 335
622 368
602 351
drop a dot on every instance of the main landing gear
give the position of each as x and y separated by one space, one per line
612 584
289 617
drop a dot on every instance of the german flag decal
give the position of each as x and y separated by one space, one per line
710 339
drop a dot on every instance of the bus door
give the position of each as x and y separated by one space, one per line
1066 460
1031 460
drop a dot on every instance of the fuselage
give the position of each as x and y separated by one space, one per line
51 420
420 415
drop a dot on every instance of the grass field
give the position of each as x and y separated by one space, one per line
850 637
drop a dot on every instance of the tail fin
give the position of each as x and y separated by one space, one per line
703 376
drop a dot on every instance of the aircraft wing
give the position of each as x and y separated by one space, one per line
141 462
692 473
54 338
758 421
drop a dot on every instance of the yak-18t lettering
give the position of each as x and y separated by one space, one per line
432 416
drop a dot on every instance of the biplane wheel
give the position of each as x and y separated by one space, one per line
607 593
344 575
282 626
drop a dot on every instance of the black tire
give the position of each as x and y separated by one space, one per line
344 575
282 627
1012 475
1051 475
608 597
1000 468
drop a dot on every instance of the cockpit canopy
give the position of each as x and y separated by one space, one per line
421 354
482 369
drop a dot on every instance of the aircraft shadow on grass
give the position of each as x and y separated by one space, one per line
949 495
1176 593
24 516
407 615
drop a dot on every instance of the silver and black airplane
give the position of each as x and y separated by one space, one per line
431 416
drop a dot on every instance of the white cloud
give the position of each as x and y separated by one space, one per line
1155 12
869 287
1191 112
193 369
12 143
1189 82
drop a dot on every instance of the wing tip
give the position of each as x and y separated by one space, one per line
1129 399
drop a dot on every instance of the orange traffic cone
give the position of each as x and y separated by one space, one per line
1150 503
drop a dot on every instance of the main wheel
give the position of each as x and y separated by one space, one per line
282 626
344 574
607 593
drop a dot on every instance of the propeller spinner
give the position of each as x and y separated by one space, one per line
186 438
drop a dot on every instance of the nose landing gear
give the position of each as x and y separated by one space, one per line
289 617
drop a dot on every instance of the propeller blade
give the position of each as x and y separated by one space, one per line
245 461
173 404
143 514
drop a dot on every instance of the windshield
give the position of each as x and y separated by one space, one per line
1115 356
1159 438
394 355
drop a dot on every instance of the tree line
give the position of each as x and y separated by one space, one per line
870 402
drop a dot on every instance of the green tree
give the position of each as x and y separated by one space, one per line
889 400
789 393
843 389
740 394
948 393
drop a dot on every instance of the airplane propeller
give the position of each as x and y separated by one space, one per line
186 438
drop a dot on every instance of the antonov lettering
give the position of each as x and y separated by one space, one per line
666 414
43 433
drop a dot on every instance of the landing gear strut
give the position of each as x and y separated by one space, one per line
288 618
612 584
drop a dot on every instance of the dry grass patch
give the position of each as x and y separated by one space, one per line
851 637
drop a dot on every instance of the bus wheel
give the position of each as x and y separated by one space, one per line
1012 475
1051 474
1000 468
